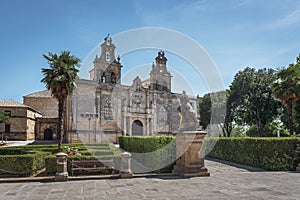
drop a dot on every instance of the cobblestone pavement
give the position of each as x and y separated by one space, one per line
225 182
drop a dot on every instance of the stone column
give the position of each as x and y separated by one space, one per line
190 162
126 165
61 167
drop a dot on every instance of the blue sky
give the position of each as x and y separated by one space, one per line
235 34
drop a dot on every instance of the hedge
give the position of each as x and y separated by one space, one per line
150 153
276 154
25 164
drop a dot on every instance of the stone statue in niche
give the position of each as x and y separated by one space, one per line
188 117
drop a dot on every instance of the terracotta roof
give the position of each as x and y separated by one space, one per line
44 93
11 103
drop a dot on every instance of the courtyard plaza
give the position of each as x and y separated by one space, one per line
226 181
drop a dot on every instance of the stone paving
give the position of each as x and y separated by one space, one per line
225 182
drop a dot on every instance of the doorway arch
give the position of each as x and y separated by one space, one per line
48 134
137 128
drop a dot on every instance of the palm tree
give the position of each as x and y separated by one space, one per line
60 79
287 89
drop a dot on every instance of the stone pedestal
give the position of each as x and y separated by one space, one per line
126 165
61 167
188 147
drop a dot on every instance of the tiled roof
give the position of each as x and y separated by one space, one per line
44 93
11 103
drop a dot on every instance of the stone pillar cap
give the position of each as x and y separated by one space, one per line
126 154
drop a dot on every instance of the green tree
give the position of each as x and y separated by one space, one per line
228 121
250 98
60 79
204 110
212 109
4 118
296 115
287 89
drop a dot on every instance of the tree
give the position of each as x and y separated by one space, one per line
228 125
250 98
4 118
212 109
287 89
60 79
296 114
204 110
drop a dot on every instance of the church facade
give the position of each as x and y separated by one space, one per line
101 108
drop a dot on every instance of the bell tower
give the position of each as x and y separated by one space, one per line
107 69
160 77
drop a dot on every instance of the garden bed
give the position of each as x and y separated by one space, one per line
27 160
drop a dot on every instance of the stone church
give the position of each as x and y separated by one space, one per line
101 108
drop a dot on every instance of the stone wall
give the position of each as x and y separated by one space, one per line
47 106
46 123
30 126
22 123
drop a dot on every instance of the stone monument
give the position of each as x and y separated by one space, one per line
189 140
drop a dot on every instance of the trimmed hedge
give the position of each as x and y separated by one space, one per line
276 154
150 152
25 164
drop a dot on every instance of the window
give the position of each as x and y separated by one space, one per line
107 56
113 78
7 128
103 78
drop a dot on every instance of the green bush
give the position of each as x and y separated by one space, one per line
152 152
12 151
278 154
270 131
25 164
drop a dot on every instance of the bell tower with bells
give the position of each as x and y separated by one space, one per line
107 69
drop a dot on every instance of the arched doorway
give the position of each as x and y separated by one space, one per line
48 135
137 128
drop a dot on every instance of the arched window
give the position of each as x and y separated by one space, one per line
113 78
156 85
103 78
